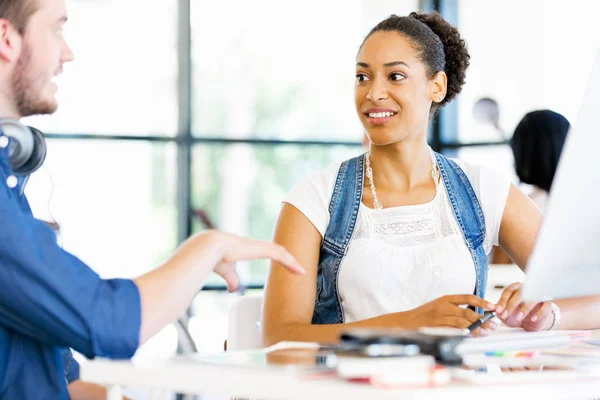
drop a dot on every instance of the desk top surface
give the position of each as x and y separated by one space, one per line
296 375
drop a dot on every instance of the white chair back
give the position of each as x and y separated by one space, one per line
243 331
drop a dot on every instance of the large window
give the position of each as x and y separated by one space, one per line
282 75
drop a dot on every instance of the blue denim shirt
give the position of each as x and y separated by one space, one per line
343 211
50 301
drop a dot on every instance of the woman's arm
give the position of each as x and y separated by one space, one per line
289 300
289 303
521 222
519 229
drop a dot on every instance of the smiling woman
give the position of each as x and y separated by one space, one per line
397 237
397 64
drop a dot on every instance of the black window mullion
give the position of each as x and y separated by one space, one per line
184 124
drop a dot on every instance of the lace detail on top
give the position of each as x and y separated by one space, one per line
399 228
408 225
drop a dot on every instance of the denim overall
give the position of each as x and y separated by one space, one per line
343 210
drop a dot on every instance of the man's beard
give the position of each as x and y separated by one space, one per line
27 95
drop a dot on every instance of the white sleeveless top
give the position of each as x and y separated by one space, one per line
400 258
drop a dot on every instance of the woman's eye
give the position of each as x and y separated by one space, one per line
397 77
361 78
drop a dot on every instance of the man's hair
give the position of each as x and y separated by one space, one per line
18 12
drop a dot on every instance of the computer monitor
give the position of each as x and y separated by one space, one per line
566 258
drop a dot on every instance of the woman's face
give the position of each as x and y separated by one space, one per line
393 94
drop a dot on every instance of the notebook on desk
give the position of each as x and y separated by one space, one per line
509 339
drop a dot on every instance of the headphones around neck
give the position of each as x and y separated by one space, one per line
27 150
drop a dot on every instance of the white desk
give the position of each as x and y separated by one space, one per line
184 375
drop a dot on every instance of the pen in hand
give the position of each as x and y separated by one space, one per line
485 318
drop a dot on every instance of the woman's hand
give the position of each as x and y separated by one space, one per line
517 314
446 311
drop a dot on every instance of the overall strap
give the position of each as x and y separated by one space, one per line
464 201
343 210
344 205
469 216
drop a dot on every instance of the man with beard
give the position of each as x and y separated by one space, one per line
49 300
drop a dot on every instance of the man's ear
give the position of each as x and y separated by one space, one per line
439 86
10 42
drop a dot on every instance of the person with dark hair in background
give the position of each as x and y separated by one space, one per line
536 144
50 301
399 237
